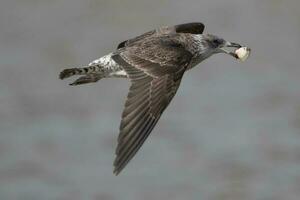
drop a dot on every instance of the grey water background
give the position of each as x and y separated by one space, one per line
232 132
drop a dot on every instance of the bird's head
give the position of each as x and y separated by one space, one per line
218 45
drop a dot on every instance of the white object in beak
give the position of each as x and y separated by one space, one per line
243 53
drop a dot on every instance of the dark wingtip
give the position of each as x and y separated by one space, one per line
117 170
122 44
194 28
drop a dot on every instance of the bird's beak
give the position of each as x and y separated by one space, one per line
230 45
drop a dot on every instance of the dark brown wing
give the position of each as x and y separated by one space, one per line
136 39
192 28
152 89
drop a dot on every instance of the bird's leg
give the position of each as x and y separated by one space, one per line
90 78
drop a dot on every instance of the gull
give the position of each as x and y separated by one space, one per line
155 63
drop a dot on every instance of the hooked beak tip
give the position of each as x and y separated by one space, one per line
233 44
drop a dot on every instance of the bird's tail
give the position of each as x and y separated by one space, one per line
90 74
66 73
100 68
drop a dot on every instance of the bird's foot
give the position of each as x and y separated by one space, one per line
85 79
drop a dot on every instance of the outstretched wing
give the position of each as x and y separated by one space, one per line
155 80
136 39
192 28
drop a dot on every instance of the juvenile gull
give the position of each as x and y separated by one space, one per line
155 63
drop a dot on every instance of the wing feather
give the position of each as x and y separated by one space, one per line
154 82
192 28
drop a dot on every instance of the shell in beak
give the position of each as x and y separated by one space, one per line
240 52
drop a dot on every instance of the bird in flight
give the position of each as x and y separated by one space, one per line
154 62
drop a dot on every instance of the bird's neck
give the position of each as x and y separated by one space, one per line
196 44
199 48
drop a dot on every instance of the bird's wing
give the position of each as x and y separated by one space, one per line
192 28
136 39
155 81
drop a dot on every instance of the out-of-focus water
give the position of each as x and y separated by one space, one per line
232 132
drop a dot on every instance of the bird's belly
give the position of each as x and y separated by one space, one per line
109 66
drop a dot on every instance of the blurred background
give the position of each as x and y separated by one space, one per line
232 132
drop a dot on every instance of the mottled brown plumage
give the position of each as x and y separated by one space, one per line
155 68
191 28
155 63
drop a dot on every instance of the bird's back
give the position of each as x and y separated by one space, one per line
189 28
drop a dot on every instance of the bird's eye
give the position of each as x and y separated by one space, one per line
217 42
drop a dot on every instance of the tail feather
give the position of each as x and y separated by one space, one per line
66 73
100 68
